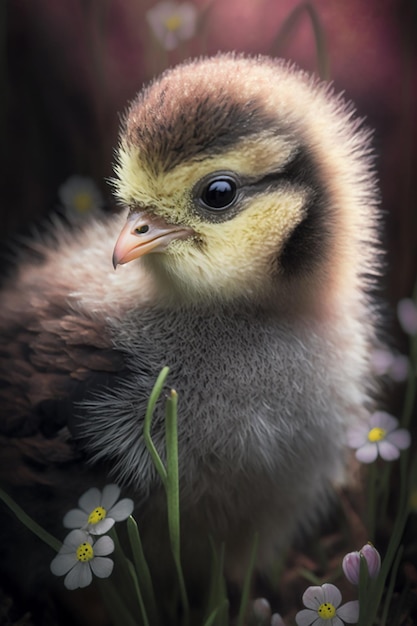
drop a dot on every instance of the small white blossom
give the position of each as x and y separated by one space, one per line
381 436
99 510
323 608
80 195
171 22
79 559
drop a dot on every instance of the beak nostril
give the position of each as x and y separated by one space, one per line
141 230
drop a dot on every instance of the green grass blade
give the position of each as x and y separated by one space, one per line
156 392
142 569
30 523
173 498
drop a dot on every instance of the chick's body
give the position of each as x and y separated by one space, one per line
252 204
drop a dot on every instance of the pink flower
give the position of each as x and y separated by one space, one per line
380 436
351 563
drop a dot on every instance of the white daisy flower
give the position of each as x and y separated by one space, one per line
80 195
99 510
381 436
171 22
79 559
323 608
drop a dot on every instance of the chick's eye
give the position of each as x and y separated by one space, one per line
219 193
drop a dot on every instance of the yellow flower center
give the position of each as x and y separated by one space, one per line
326 610
83 202
84 552
97 515
173 23
376 434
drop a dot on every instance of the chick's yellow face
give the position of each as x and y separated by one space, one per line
228 215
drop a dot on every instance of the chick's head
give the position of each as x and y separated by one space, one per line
244 178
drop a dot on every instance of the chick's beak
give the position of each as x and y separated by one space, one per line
144 233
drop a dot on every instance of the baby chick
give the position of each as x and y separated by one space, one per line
247 254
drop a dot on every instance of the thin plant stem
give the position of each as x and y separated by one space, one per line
138 592
396 535
124 574
30 523
172 491
363 592
217 593
371 499
115 606
247 582
218 611
292 21
156 392
389 592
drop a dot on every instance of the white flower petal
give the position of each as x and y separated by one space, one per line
85 576
62 563
305 617
400 438
72 579
367 453
332 594
102 566
170 40
121 510
103 546
75 538
336 621
351 567
349 612
76 518
109 496
388 451
357 437
313 597
66 549
90 500
101 527
276 620
381 419
373 559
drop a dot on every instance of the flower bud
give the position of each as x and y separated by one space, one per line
351 563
